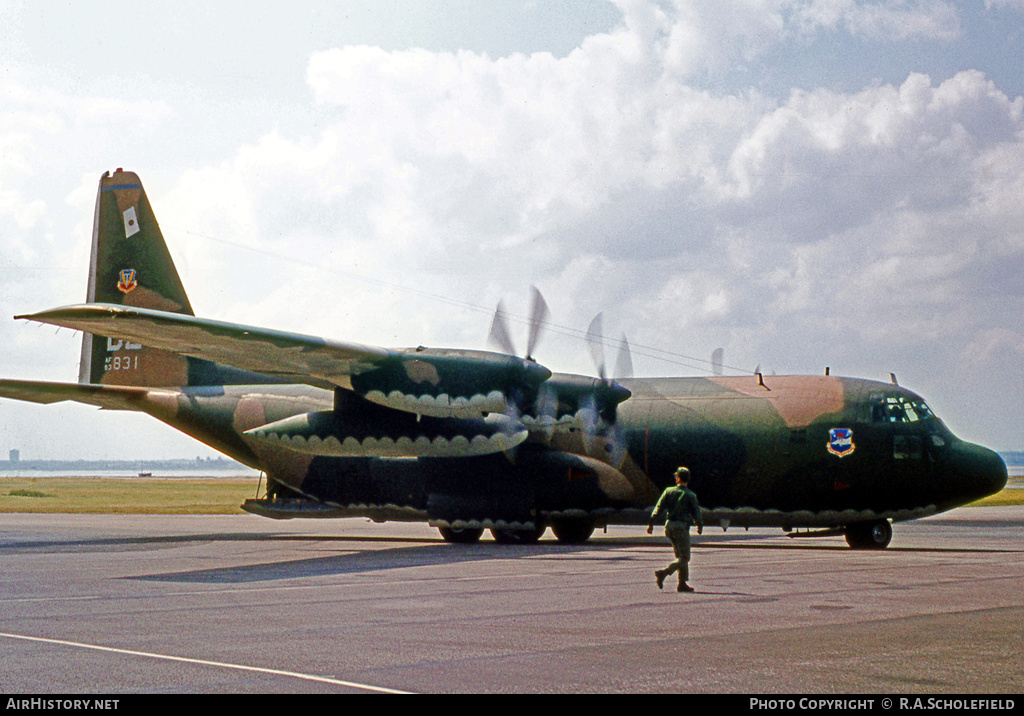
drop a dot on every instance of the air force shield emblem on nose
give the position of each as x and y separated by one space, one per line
840 441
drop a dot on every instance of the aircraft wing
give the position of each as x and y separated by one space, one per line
434 382
109 397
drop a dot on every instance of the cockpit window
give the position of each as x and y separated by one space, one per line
899 409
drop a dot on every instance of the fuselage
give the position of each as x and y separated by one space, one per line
786 451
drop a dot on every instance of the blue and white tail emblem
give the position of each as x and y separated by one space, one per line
840 441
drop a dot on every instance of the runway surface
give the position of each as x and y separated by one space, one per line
139 604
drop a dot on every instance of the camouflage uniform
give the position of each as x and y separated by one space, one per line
679 506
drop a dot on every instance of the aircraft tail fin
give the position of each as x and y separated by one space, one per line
131 266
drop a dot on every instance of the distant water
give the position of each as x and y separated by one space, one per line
240 471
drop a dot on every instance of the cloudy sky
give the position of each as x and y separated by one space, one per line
804 183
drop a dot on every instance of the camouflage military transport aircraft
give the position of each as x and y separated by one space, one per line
471 440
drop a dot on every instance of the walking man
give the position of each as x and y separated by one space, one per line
680 509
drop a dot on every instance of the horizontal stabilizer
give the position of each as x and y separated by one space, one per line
109 397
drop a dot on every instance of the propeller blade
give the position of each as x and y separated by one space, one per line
538 316
616 448
546 406
601 440
590 422
499 336
595 341
624 361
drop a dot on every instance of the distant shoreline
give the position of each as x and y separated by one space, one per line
219 464
1013 459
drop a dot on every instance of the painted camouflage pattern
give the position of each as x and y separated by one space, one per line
469 440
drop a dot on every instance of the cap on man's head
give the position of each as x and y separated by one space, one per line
683 473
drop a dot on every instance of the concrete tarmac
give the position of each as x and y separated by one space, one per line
241 604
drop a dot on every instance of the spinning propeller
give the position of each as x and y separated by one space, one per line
593 402
599 410
595 341
500 337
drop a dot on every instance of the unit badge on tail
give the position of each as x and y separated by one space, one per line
127 281
840 441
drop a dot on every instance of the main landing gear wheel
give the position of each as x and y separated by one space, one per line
572 531
869 535
509 536
461 535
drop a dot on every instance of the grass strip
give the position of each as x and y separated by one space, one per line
128 495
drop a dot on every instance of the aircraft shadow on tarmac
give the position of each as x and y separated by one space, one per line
406 552
422 553
355 562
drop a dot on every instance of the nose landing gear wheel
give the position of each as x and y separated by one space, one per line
869 535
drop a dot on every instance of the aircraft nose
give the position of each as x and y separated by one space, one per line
981 472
